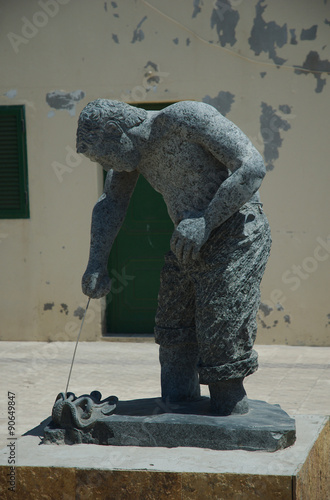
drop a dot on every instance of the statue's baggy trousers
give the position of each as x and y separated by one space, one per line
207 308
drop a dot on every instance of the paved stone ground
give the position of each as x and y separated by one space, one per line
297 378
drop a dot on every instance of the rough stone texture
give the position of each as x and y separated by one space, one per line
89 471
151 422
313 479
39 483
208 173
231 486
126 485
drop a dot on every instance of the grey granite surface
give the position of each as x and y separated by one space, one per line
153 422
208 173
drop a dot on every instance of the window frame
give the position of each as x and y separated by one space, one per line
23 212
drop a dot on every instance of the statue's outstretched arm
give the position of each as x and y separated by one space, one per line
108 216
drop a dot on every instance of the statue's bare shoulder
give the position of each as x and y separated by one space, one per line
201 123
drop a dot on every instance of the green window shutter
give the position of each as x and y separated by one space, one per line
14 202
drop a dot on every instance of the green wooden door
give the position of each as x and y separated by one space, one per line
136 259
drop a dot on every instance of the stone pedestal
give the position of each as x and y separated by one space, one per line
301 471
155 423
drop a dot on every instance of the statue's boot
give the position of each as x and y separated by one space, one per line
228 397
179 376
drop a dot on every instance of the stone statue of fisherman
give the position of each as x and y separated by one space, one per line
208 173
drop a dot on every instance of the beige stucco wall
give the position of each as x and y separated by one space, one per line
103 49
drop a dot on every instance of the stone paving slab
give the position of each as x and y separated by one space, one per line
284 462
297 378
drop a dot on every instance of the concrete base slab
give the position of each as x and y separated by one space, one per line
152 422
301 471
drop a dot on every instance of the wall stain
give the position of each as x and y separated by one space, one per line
309 34
293 39
266 37
176 41
287 319
263 324
326 22
65 100
270 126
11 94
266 309
286 109
327 324
188 42
197 7
115 38
64 309
263 74
49 306
313 64
80 311
138 34
149 75
152 65
224 18
222 102
105 6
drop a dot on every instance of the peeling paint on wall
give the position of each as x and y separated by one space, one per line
197 7
270 126
328 316
224 18
80 311
152 79
285 108
265 37
293 40
11 94
287 319
49 306
313 64
265 309
222 102
152 65
138 34
64 308
309 34
65 100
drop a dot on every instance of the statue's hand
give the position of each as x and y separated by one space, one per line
188 238
96 284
